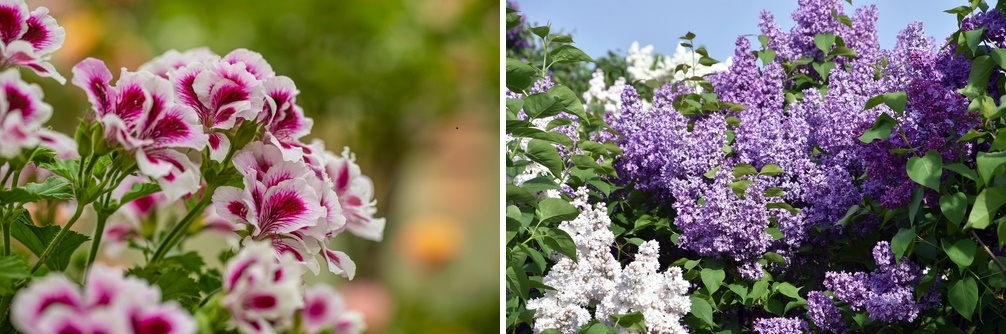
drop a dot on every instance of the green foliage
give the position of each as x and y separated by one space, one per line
37 238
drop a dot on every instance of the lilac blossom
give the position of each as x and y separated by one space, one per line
822 312
780 326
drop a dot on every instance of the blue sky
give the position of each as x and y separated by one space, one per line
598 26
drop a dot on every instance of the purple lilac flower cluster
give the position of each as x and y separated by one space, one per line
514 41
887 294
781 326
814 139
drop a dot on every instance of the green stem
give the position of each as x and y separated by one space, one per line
6 238
183 225
55 242
99 230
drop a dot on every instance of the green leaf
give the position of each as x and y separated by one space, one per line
774 257
630 321
881 129
518 194
568 54
824 42
739 187
519 75
988 163
999 57
788 290
981 69
766 57
702 310
544 153
12 269
560 38
926 170
65 168
512 20
540 183
744 169
139 190
712 278
568 101
954 207
961 252
556 209
973 38
963 170
53 188
771 170
902 242
784 206
540 31
986 206
774 192
175 284
963 296
896 101
535 255
190 261
37 238
561 242
740 290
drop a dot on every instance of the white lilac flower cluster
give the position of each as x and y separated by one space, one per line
596 278
643 66
610 98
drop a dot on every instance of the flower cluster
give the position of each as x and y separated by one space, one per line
610 98
264 294
643 66
780 326
597 278
22 116
887 294
29 38
110 303
814 140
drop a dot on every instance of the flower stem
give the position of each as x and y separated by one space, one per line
183 225
55 242
99 230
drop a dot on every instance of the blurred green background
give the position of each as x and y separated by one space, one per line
410 86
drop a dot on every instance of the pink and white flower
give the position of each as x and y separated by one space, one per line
29 38
288 203
325 312
110 303
22 116
261 292
284 120
173 59
139 114
223 93
356 195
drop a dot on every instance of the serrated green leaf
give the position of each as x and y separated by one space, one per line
37 238
53 188
12 269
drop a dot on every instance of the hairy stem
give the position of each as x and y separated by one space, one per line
183 225
99 231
